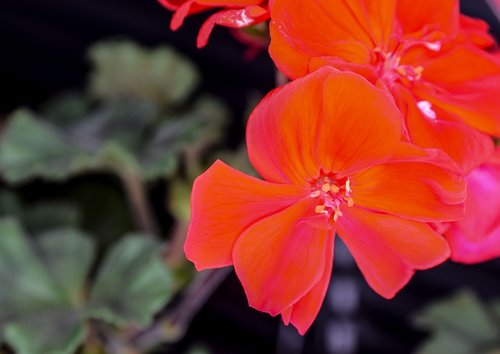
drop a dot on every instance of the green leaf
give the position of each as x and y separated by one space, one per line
447 342
66 109
40 216
461 324
132 284
54 332
192 130
179 201
32 148
42 284
47 215
125 70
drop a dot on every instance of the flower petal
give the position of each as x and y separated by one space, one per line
224 203
303 313
470 88
279 259
234 18
388 249
184 10
316 28
476 237
352 136
428 16
461 64
317 121
476 30
424 190
443 130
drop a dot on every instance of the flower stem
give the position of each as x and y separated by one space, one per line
138 203
173 325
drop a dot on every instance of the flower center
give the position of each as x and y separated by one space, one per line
331 194
390 68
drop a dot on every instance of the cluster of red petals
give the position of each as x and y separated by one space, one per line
476 237
431 58
330 165
231 13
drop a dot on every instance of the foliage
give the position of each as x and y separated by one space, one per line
47 304
69 274
461 325
137 123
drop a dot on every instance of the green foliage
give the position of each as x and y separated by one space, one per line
43 302
125 70
117 138
40 216
135 268
460 325
42 284
137 122
140 116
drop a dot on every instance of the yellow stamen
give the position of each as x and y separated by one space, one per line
348 186
350 201
338 213
401 70
320 209
325 187
334 188
315 194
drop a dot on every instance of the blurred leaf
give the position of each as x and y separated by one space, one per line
447 342
193 129
46 215
32 148
40 216
125 70
179 203
43 303
42 285
198 350
133 283
66 109
114 138
460 324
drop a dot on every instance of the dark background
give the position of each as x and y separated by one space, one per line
43 46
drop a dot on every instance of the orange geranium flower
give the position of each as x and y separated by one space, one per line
476 237
330 164
232 13
424 52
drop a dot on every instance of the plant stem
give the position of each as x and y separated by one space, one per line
173 325
138 203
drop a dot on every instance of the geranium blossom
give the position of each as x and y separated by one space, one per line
330 164
424 52
476 237
232 13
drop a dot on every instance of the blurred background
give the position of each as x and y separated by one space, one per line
106 119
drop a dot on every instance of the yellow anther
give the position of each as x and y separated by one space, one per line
334 188
315 194
348 186
350 201
401 70
325 187
419 70
338 213
320 209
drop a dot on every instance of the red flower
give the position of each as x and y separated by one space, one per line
423 51
330 164
476 237
233 13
